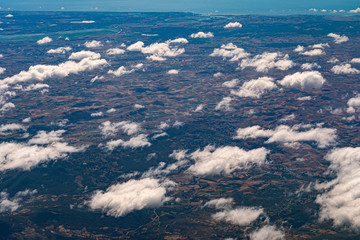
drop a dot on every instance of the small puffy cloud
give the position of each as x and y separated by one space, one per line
9 16
324 137
225 160
93 44
84 54
353 104
8 204
173 72
267 232
111 110
111 128
344 69
60 50
115 51
267 60
231 84
357 10
303 80
288 118
224 104
256 87
333 60
159 51
299 49
229 51
96 78
199 108
233 25
314 52
241 216
6 129
44 40
36 86
43 137
337 38
310 66
138 106
134 142
218 74
313 10
320 45
306 98
123 70
122 198
340 200
202 35
26 120
355 60
220 203
97 114
2 70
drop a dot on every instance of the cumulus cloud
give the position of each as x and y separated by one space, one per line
220 203
36 86
123 198
93 44
241 216
224 104
60 50
355 60
267 60
123 70
6 129
25 156
353 104
320 45
299 48
233 25
337 38
8 204
314 52
43 72
44 40
231 84
2 70
84 54
43 137
97 114
199 108
304 80
202 35
267 232
229 51
340 201
225 160
160 51
344 69
173 72
109 129
324 137
310 66
134 142
115 51
357 10
255 87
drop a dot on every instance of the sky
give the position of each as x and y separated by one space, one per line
196 6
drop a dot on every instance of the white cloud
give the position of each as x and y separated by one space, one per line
314 52
353 104
344 69
267 232
225 160
12 204
9 16
138 106
115 51
111 128
306 98
313 10
255 87
320 45
84 54
97 114
231 84
241 216
224 104
6 129
299 49
337 38
43 137
355 60
111 110
324 137
25 156
173 72
123 198
287 118
123 70
96 78
159 51
134 142
26 120
304 80
36 86
93 44
266 61
199 108
310 66
202 35
2 70
357 10
44 40
218 74
333 60
60 50
340 201
43 72
229 51
233 25
221 203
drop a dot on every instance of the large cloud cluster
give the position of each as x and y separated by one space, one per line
303 80
338 39
340 201
324 137
225 160
160 51
123 198
6 129
255 87
42 148
268 60
229 51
